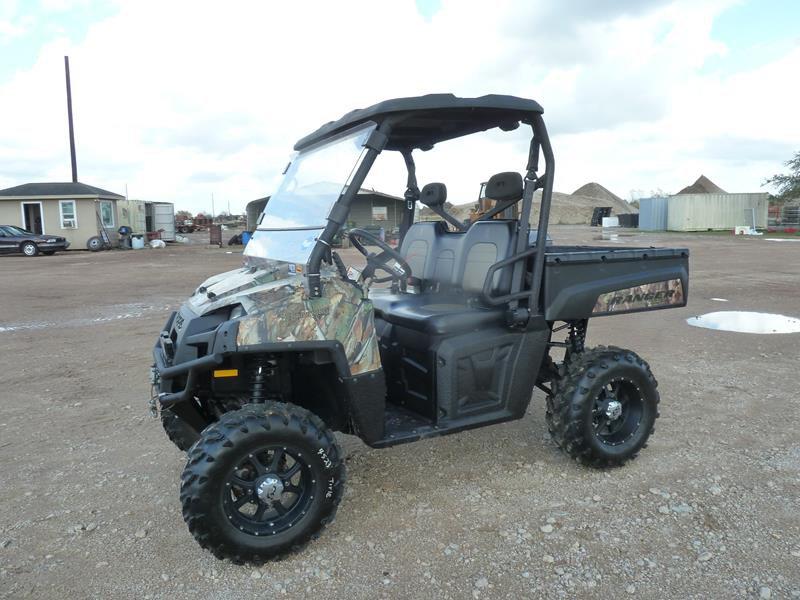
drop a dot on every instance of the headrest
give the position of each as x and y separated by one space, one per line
504 187
433 194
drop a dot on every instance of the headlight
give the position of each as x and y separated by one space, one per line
51 241
237 311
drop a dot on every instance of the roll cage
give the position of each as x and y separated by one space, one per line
409 124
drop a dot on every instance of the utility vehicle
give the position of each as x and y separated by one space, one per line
262 364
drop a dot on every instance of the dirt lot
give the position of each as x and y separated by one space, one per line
89 483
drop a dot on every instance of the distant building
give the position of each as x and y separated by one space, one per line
76 211
369 209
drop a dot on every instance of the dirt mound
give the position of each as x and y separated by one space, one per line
576 209
703 185
566 209
595 190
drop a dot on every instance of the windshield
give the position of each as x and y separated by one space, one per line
314 180
11 230
297 212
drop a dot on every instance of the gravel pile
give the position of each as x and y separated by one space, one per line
703 185
566 209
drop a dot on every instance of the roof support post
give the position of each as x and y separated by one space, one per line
411 195
546 182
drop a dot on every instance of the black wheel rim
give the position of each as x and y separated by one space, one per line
617 412
268 491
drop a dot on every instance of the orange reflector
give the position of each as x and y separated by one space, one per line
226 373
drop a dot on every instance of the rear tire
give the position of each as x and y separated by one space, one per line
29 249
249 463
603 406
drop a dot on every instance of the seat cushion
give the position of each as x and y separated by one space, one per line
445 319
434 314
385 302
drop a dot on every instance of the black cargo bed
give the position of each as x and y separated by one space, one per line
577 254
588 281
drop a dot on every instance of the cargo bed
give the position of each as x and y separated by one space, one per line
589 281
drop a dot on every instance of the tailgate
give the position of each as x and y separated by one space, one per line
581 282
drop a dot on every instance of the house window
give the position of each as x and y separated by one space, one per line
69 216
380 213
107 213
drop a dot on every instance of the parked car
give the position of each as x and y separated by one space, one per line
15 239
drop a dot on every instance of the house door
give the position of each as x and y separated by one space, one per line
32 217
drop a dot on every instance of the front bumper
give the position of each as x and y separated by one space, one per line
164 374
174 374
53 245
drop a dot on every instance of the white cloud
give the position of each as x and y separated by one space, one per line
179 100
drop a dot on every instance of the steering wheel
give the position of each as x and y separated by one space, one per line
398 274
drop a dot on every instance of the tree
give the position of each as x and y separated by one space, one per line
183 215
788 186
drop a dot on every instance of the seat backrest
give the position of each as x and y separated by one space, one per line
433 253
418 247
484 243
449 260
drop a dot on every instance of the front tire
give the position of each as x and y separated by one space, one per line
603 406
29 249
178 431
261 482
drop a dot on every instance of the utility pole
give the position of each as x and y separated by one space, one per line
213 214
71 128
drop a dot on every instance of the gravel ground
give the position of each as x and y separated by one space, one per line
89 483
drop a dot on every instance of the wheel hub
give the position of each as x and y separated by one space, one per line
269 488
614 410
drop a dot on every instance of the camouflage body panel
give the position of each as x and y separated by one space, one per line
641 297
279 310
220 290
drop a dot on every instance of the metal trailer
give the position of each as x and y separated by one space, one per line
131 213
160 216
703 212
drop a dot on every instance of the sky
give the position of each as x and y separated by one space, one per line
175 101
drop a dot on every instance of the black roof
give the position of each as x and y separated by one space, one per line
67 188
433 118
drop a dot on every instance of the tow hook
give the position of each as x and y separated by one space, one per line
153 408
155 378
